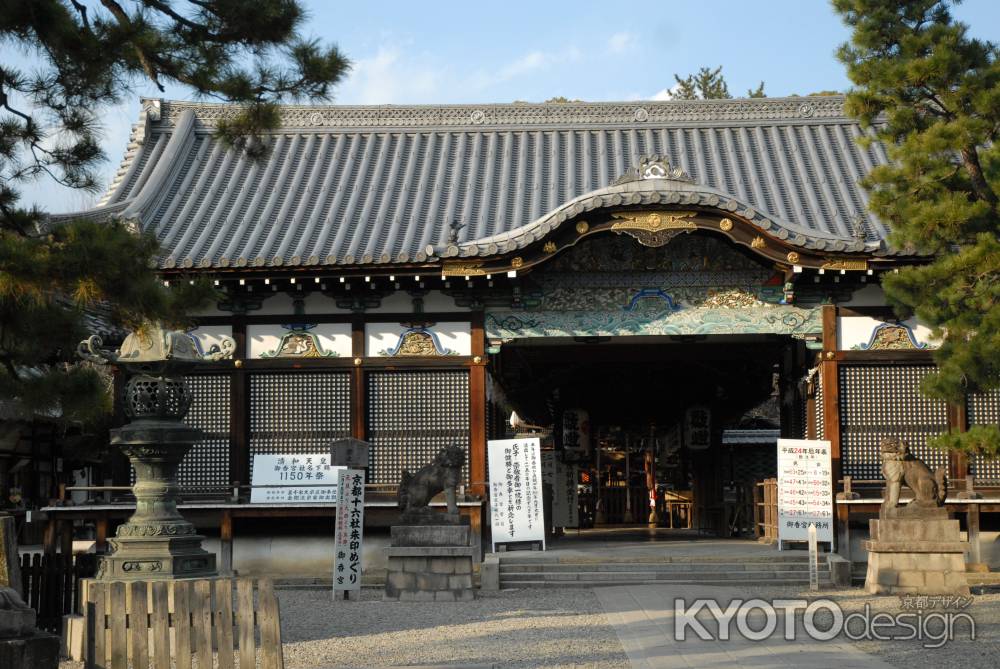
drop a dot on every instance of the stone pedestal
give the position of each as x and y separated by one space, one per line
916 556
37 651
429 563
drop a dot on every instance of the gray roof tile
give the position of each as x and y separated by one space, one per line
360 185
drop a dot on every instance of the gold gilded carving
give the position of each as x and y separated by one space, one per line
298 345
757 243
654 228
793 257
454 268
726 224
417 343
550 247
582 227
731 299
517 262
854 265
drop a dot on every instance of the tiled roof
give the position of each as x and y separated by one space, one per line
387 184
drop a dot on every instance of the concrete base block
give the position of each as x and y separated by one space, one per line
38 651
430 535
72 637
916 557
840 570
489 574
429 573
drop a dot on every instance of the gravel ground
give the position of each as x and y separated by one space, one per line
961 652
511 628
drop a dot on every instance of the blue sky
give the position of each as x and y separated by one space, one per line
454 52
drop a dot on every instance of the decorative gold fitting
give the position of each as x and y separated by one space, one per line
757 243
477 359
829 355
517 262
582 227
793 257
237 363
726 224
550 247
357 362
854 265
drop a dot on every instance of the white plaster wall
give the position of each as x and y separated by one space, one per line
334 337
280 303
383 336
857 330
211 335
869 296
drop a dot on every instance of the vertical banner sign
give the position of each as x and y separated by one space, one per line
516 491
349 530
805 489
562 478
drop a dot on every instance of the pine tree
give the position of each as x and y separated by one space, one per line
53 272
708 84
932 94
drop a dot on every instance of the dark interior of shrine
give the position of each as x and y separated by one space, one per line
637 400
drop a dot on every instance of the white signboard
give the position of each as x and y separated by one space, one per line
805 489
516 512
565 501
349 530
302 478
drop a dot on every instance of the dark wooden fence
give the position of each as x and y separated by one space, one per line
51 585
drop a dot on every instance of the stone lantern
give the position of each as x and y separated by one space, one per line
156 542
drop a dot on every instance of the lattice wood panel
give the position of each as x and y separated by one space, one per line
984 409
207 463
299 412
413 415
880 401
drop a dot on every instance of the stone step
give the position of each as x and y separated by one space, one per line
658 567
536 558
554 577
509 584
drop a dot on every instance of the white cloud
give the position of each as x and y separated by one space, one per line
531 62
387 78
623 41
666 93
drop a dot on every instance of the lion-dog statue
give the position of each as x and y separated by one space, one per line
899 466
416 490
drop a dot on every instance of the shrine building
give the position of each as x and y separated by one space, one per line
659 290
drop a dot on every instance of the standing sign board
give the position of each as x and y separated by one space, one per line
516 491
349 530
805 489
300 478
562 478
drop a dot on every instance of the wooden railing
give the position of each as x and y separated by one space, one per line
137 624
765 504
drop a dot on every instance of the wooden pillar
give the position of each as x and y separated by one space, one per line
477 408
831 417
239 413
226 543
958 421
358 390
101 545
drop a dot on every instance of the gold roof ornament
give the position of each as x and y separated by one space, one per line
757 243
653 228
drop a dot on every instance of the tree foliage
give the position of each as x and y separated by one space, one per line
931 92
708 84
86 56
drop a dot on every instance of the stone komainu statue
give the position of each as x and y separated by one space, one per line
416 490
899 466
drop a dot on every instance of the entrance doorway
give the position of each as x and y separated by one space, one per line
668 433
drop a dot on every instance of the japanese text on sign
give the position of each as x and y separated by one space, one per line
516 491
565 500
805 489
349 530
301 478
